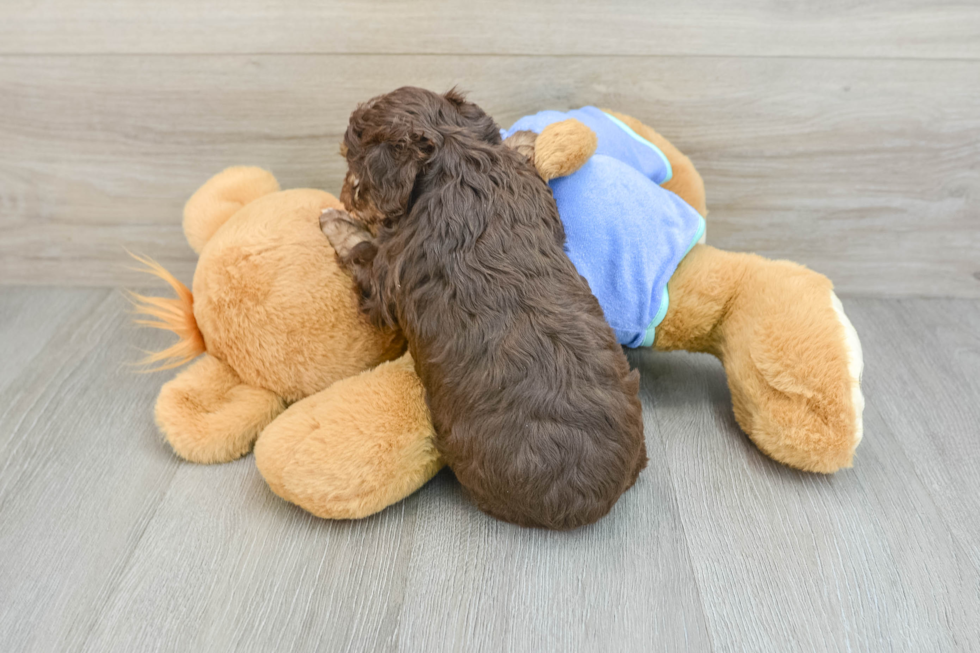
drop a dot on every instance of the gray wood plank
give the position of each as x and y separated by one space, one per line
226 566
954 326
80 474
432 571
846 562
851 167
110 544
624 584
899 28
931 398
30 317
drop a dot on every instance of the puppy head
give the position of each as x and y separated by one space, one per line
389 142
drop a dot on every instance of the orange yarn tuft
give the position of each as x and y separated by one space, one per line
176 315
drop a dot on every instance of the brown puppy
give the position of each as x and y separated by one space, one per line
533 403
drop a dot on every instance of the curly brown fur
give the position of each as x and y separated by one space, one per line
523 142
532 399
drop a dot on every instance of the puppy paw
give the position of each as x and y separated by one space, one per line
343 233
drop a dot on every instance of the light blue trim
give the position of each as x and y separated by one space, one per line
628 130
702 225
651 331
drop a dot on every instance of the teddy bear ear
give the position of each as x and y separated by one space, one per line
220 197
563 147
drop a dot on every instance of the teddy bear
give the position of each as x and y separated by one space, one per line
273 322
288 367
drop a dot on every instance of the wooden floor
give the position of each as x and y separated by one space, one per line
109 543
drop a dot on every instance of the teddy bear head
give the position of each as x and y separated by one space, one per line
269 297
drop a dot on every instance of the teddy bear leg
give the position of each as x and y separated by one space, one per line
353 449
208 415
686 181
792 358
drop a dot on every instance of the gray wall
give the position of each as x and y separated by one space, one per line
844 136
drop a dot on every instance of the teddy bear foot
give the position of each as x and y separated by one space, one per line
792 357
208 415
796 386
353 449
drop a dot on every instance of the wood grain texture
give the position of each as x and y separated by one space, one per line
29 319
110 544
933 408
865 170
844 562
626 584
75 495
899 28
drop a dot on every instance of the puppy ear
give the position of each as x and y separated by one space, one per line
392 164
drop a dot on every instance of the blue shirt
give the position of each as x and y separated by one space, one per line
625 234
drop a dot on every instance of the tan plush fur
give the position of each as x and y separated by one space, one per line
359 446
218 199
274 304
170 314
209 416
773 326
563 147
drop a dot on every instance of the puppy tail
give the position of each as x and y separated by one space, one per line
175 315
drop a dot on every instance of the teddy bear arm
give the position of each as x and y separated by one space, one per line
208 415
685 182
561 148
353 449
